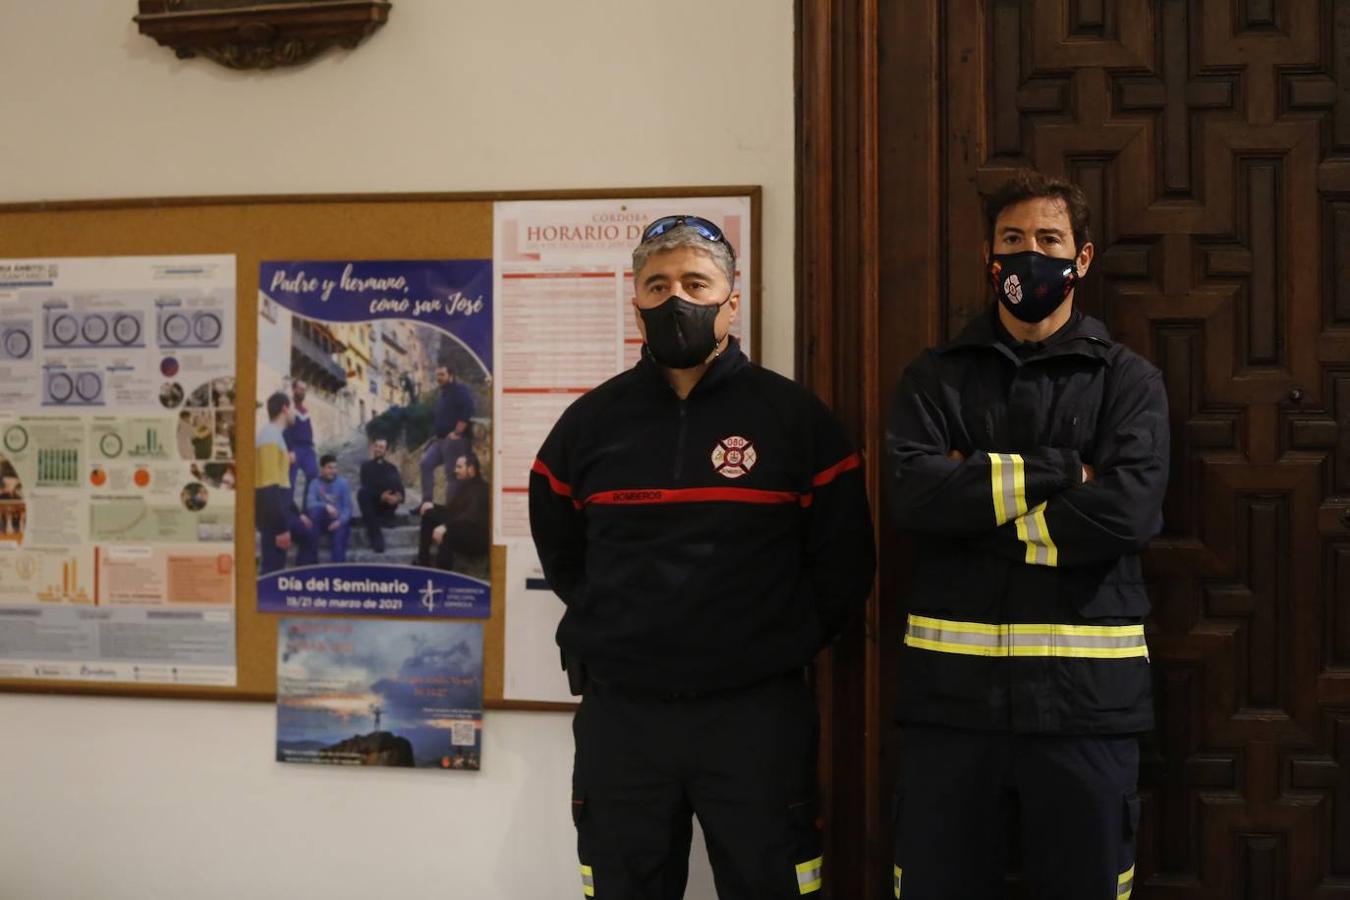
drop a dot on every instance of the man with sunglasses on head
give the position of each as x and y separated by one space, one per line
705 522
1030 457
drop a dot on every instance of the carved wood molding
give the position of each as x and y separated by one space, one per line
256 34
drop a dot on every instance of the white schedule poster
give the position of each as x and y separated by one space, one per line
563 286
117 473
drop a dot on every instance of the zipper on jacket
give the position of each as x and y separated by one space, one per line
679 441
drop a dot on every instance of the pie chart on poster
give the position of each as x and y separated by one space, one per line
127 329
60 387
110 444
16 438
177 328
89 386
207 328
65 329
17 344
98 477
141 478
95 329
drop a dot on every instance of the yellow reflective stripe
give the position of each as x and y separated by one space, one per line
1125 886
1026 639
898 873
1021 523
1034 531
808 875
1053 650
1020 484
1027 628
587 881
1007 482
1039 515
996 486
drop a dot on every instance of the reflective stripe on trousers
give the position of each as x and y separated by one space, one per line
808 875
1025 639
1126 884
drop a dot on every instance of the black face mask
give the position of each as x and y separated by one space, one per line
1031 285
680 334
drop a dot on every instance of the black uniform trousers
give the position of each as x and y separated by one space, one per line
743 761
1070 800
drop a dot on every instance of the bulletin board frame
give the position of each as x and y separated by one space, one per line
301 226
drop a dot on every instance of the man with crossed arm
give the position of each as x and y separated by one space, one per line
1030 457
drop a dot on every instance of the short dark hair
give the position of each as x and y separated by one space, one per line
471 459
326 459
1028 184
276 404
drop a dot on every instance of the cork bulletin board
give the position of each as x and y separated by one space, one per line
255 229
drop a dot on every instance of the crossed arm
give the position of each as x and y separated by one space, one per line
1045 506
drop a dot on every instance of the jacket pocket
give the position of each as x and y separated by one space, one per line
950 579
1115 591
1074 427
1131 817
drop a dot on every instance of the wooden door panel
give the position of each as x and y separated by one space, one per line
1212 138
1208 137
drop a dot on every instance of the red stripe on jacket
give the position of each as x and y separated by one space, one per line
656 496
560 487
846 464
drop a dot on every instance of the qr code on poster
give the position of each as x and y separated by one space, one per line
462 734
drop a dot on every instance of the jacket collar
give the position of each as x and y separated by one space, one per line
1081 336
728 363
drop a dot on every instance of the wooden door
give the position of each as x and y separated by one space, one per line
1213 140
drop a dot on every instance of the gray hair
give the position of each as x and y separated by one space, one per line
685 236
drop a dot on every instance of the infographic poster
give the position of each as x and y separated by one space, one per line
380 693
373 456
564 289
117 469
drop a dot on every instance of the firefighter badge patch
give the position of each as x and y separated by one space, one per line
733 457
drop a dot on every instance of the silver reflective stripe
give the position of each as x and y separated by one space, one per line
1033 531
898 873
1008 484
1026 639
587 881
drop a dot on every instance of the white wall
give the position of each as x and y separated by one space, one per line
149 799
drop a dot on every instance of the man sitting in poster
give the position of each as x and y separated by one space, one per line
380 493
329 504
461 526
450 435
279 522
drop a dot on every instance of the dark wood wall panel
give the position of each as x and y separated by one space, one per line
1212 138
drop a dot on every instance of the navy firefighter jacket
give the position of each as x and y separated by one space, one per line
705 543
1027 605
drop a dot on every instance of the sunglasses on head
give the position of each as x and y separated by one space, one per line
706 230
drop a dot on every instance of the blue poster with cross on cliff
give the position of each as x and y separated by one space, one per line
373 448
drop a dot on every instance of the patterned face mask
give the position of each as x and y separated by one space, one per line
1031 285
